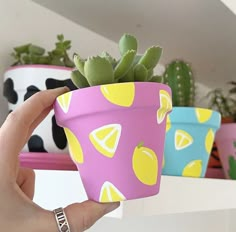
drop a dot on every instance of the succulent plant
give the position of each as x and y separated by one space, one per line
224 102
179 76
33 54
105 69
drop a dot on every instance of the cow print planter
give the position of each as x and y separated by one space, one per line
20 83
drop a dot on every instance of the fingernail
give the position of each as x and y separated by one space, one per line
64 89
112 206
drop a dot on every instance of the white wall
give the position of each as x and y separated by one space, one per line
24 21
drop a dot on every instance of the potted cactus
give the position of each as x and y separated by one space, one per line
225 103
190 130
115 122
34 70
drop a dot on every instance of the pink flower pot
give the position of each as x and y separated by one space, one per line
116 136
226 144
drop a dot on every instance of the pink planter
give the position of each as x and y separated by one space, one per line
226 144
116 136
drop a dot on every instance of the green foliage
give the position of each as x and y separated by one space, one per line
225 103
179 76
33 54
105 69
232 168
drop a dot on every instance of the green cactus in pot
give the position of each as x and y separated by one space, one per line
179 76
104 69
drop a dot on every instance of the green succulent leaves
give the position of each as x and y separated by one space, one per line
33 54
78 79
124 64
105 69
151 57
98 71
127 42
79 63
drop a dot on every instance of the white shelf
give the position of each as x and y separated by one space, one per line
177 195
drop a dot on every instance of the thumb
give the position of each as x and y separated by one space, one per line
82 216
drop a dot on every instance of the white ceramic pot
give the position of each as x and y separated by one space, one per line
21 82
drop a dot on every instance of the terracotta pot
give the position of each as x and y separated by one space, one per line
20 83
189 140
226 143
116 136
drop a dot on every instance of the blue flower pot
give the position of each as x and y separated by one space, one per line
190 134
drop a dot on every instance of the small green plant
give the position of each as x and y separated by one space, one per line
33 54
225 103
104 69
179 76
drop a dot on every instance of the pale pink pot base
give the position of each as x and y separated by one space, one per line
225 138
46 161
90 110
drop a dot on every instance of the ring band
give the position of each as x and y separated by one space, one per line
61 220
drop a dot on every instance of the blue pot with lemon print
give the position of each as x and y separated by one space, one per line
190 134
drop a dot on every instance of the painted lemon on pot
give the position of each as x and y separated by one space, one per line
182 139
121 95
109 193
64 101
209 140
203 115
165 106
105 139
193 169
74 146
145 164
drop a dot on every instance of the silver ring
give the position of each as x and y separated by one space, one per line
61 220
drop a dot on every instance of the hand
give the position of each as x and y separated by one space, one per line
17 210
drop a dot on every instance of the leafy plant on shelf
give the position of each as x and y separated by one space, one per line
232 164
33 54
225 103
104 69
179 76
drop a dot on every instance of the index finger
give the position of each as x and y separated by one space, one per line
14 131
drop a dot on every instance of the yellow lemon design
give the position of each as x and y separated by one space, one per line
119 94
193 169
203 115
165 106
106 138
163 162
168 123
145 165
182 139
209 140
109 193
74 146
64 101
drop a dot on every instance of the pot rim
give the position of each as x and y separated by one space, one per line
92 105
38 66
186 116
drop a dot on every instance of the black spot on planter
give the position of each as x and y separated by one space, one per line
31 90
35 144
58 134
8 91
53 83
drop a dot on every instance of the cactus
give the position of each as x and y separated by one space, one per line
105 69
178 75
